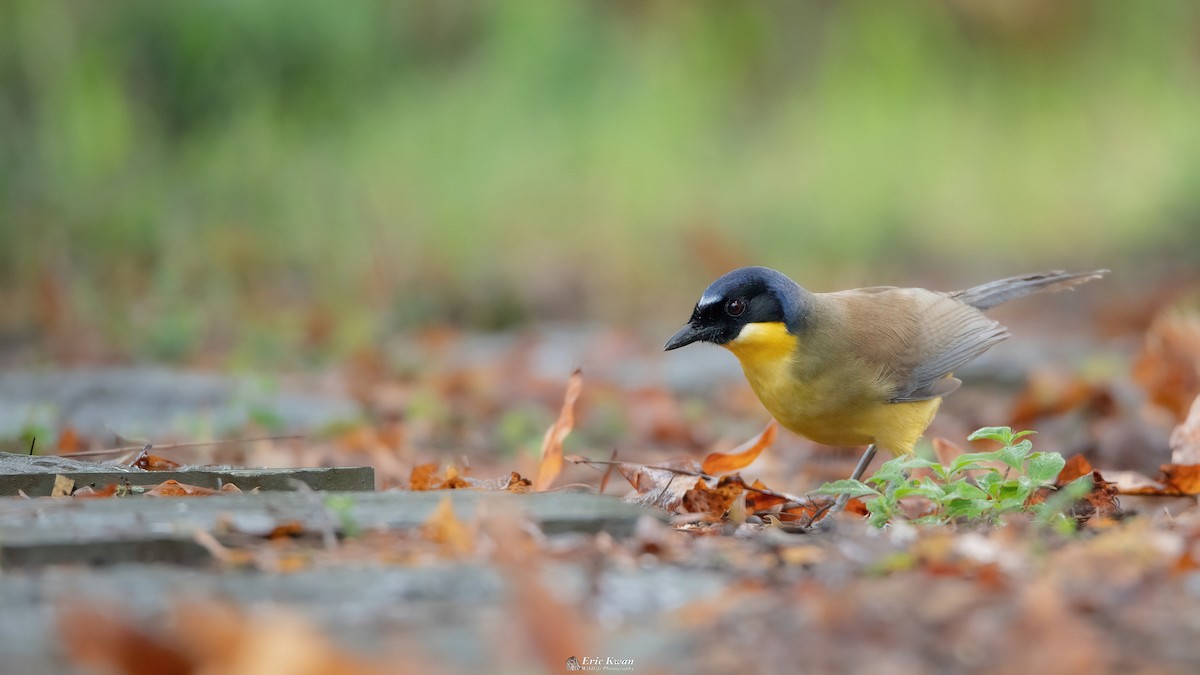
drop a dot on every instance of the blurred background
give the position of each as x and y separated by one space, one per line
278 183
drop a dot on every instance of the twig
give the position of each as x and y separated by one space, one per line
608 473
32 442
688 472
138 457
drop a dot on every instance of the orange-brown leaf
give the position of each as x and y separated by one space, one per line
423 477
98 638
292 528
1182 478
88 492
1051 394
552 450
1075 468
518 483
453 481
155 463
713 502
70 441
173 488
1168 366
444 528
757 501
743 455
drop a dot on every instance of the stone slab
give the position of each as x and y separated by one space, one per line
35 532
325 479
455 615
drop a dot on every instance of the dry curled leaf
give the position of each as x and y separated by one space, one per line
1185 439
759 501
661 485
1076 467
89 492
63 486
552 444
150 462
173 488
423 477
740 457
712 502
1168 366
1182 479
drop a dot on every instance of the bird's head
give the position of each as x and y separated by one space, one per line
743 297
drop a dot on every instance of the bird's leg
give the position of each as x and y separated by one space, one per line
859 470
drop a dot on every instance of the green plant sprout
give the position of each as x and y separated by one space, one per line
970 490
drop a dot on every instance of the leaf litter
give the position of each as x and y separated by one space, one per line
1115 594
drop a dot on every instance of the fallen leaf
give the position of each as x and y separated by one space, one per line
173 488
1100 502
1076 467
70 441
1135 483
89 492
219 638
101 640
757 502
1185 438
423 477
946 450
518 483
453 480
150 462
1168 366
552 450
712 502
1050 393
1177 480
740 457
290 529
63 486
662 485
444 528
1183 479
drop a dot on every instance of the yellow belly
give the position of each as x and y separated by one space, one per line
827 407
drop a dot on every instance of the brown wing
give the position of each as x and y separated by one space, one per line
914 339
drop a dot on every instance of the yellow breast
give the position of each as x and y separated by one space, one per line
832 405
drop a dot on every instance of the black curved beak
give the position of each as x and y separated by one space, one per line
686 336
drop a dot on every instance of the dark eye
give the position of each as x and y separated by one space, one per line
736 307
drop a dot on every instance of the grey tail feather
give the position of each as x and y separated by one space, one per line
986 296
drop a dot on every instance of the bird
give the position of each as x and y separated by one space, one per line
862 367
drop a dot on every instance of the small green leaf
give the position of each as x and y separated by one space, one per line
1003 435
1014 455
964 490
931 491
910 463
1044 467
968 508
847 486
970 461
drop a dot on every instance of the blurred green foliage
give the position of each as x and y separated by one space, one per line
180 177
